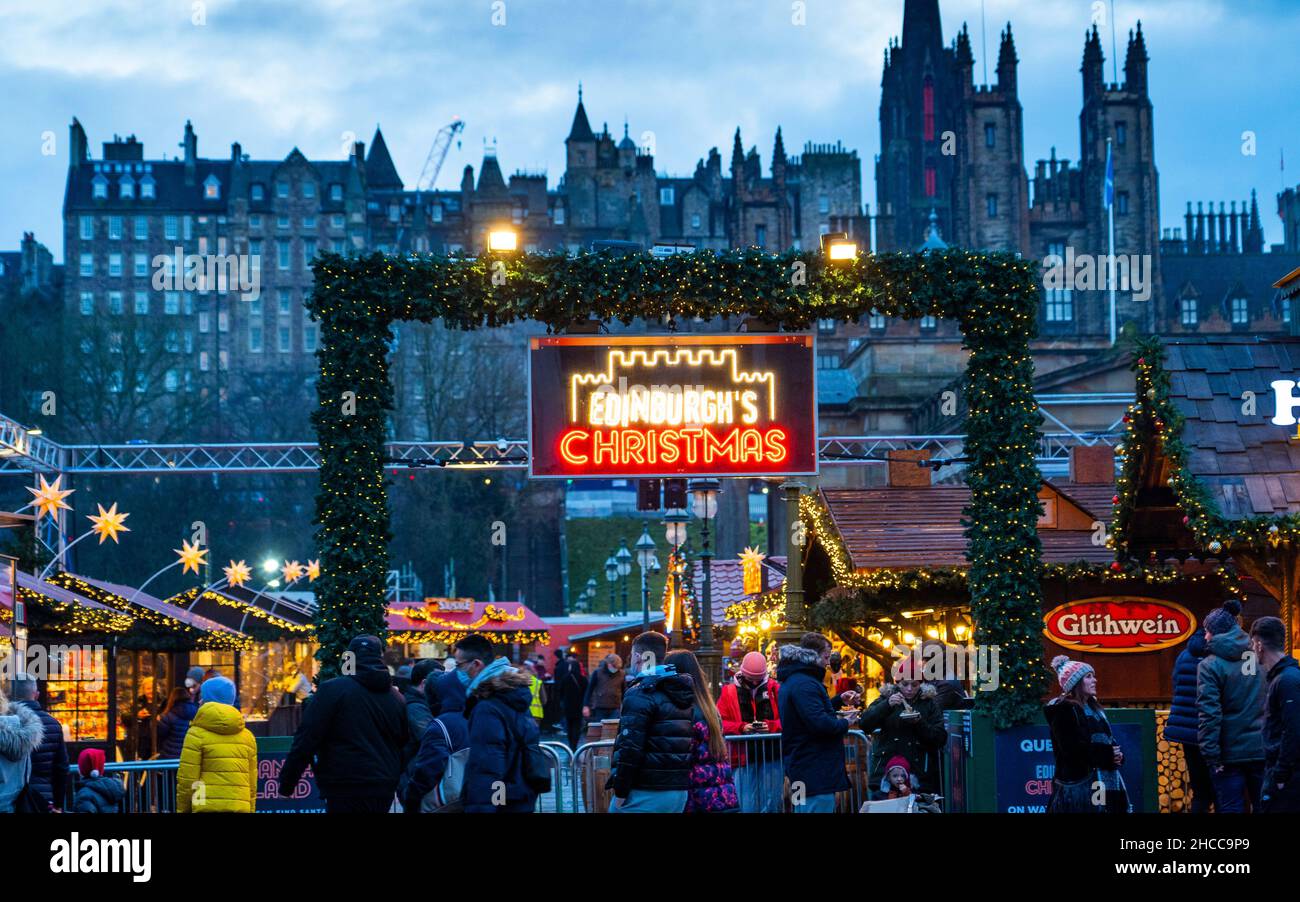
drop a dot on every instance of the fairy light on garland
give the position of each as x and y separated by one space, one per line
491 614
187 598
993 297
70 618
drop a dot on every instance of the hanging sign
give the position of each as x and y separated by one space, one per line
672 405
1119 624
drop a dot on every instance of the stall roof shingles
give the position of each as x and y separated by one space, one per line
906 527
727 582
1249 464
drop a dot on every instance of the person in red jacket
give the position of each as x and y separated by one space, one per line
748 705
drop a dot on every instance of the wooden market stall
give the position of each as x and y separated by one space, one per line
429 628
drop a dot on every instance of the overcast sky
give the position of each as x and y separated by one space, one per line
275 74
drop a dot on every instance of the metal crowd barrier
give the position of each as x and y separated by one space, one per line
561 757
150 785
756 765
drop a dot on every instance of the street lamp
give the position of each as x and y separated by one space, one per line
611 575
675 521
704 504
645 557
503 240
624 561
839 247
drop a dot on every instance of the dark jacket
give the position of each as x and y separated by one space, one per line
920 740
812 737
1229 702
1077 754
50 760
418 715
430 763
172 727
605 689
573 690
499 728
101 795
352 733
653 748
1282 726
1181 723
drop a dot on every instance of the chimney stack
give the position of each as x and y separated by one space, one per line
1092 464
905 471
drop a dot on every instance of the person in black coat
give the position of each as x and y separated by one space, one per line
650 770
50 760
352 734
1181 725
907 721
573 691
440 741
174 722
812 736
1280 793
1083 746
419 710
501 728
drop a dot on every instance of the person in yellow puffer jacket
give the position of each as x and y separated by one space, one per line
218 767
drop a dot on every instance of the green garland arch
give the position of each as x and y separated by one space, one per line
993 297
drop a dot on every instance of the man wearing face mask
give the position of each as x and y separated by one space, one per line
501 728
651 768
750 703
605 690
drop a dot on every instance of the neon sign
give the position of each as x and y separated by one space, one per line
1119 624
673 405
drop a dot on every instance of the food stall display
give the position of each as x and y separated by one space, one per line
440 622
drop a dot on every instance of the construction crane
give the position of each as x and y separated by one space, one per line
438 153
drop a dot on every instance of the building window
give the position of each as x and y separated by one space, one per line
99 187
337 246
87 264
876 321
931 180
309 251
87 224
336 192
282 222
760 236
171 302
187 230
823 204
115 264
282 254
1286 310
115 303
1187 314
141 265
281 189
1240 312
828 361
309 338
115 228
826 325
309 188
1121 203
146 187
695 220
255 339
927 104
559 215
203 361
187 303
929 324
990 135
1060 301
255 306
284 340
142 303
87 303
126 187
141 228
1121 134
309 222
394 213
666 197
991 205
336 221
169 227
256 191
212 188
282 296
223 324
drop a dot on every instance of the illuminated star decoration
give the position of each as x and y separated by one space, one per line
49 498
237 573
191 556
108 523
750 561
313 570
291 571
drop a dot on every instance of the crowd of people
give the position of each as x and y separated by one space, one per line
465 734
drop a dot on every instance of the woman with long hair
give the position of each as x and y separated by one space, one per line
1088 758
174 722
712 788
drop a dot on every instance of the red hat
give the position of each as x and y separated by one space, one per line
91 762
898 761
754 666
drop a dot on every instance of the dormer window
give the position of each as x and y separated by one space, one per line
126 187
99 186
257 191
336 192
212 188
147 187
1240 309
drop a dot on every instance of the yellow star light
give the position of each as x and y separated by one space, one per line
109 523
237 573
49 498
291 571
191 556
313 570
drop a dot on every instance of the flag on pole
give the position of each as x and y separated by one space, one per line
1108 198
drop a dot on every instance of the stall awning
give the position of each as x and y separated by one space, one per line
447 619
69 611
240 608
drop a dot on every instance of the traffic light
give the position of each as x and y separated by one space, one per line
647 494
675 496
